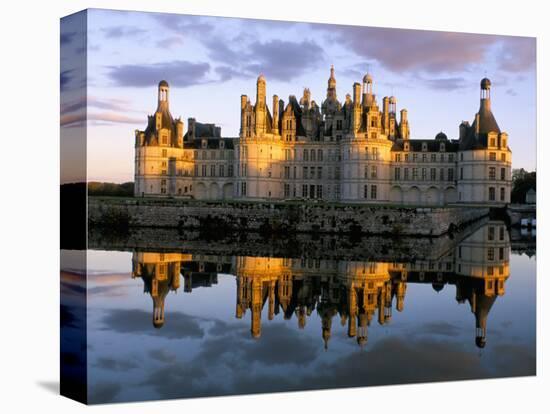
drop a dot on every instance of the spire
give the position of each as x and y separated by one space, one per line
331 89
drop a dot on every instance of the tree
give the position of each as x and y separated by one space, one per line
522 181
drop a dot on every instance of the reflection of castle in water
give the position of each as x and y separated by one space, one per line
356 292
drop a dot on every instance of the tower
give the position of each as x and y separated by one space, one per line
404 130
260 109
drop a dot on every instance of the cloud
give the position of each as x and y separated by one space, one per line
65 78
276 59
111 364
66 38
170 42
447 84
517 54
188 25
284 60
117 32
179 73
178 326
104 392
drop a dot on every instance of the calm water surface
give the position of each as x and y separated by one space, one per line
172 324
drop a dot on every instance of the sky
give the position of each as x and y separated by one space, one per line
210 61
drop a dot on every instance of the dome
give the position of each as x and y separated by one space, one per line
367 78
163 83
438 286
441 136
485 83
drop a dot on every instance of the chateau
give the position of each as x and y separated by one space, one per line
351 151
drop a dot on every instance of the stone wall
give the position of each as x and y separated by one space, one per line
314 246
279 217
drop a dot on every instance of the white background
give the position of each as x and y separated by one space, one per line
29 204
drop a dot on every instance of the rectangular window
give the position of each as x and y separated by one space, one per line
461 173
306 155
502 194
433 174
451 157
415 174
398 157
492 156
230 171
491 193
406 174
415 157
304 173
490 270
406 157
501 233
312 155
423 174
492 173
375 153
373 192
366 171
441 174
491 233
398 173
312 173
164 153
365 191
320 155
503 157
491 254
212 171
204 171
424 157
243 189
287 190
336 173
501 253
503 174
304 191
450 174
319 191
433 158
319 173
222 171
373 171
287 172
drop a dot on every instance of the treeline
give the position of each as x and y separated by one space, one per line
96 188
522 181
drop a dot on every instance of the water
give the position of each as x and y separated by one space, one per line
177 323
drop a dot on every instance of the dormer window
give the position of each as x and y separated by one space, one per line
424 146
406 146
442 147
503 142
222 144
492 142
204 143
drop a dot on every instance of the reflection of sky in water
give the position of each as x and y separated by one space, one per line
204 350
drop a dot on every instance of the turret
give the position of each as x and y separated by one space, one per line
163 89
331 89
404 129
367 90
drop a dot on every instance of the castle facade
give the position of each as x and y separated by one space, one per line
351 151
